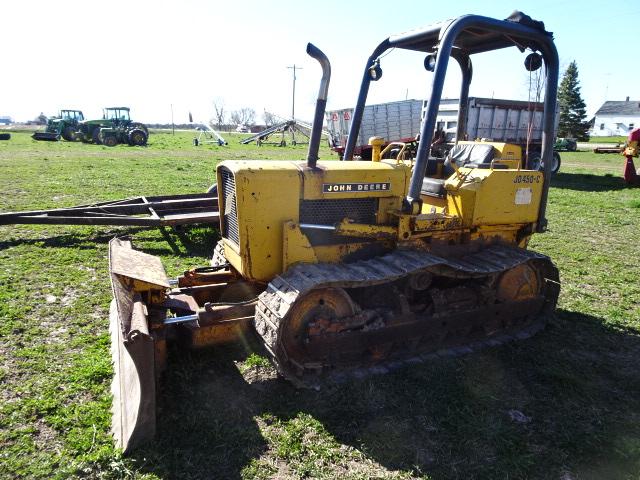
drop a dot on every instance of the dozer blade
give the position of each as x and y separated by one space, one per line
132 345
46 136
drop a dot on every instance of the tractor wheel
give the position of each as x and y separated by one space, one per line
534 161
555 166
139 126
95 136
537 164
137 137
110 141
69 134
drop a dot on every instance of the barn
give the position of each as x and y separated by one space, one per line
616 118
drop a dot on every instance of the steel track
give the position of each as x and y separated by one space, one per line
283 291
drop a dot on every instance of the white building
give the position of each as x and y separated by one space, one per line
616 118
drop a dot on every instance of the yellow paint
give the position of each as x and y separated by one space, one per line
361 230
631 149
476 199
268 195
296 247
480 205
366 173
433 204
376 145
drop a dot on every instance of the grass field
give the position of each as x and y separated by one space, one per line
618 139
562 405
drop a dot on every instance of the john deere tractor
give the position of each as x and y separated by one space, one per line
64 125
113 128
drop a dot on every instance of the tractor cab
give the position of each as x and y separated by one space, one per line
117 114
72 115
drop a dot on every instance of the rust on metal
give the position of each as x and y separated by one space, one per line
127 263
134 352
157 211
133 385
220 333
455 303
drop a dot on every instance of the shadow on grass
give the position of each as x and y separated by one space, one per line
587 182
185 241
567 400
73 239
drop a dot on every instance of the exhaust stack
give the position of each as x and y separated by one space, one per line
321 103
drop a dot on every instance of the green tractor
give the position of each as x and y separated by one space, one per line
115 127
65 125
568 144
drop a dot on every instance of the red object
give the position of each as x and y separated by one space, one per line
630 175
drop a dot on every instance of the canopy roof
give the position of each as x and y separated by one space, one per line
479 34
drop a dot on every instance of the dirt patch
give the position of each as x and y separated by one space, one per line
45 437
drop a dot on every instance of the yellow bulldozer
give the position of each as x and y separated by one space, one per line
345 266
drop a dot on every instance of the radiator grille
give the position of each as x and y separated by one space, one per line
230 213
329 212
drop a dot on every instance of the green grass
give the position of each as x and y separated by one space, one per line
616 139
224 413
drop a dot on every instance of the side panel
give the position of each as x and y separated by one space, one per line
265 200
266 196
519 192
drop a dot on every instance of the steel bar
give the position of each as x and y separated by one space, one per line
141 211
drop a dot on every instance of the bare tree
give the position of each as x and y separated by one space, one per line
244 116
269 119
220 113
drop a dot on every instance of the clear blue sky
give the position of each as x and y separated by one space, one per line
151 54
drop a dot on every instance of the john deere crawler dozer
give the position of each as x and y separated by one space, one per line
355 265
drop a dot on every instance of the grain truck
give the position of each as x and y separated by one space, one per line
394 121
497 120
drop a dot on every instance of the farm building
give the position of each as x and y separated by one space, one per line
616 118
5 120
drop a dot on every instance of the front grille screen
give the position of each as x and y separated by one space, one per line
230 213
332 211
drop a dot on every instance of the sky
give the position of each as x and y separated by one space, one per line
159 56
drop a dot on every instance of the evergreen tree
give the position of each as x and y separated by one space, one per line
573 110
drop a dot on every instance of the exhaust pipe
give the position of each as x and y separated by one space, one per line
321 103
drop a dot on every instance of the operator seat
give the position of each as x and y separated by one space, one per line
464 155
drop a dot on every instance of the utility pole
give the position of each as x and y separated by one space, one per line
293 102
606 88
173 128
293 98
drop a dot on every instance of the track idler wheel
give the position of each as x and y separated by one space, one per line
320 312
519 283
